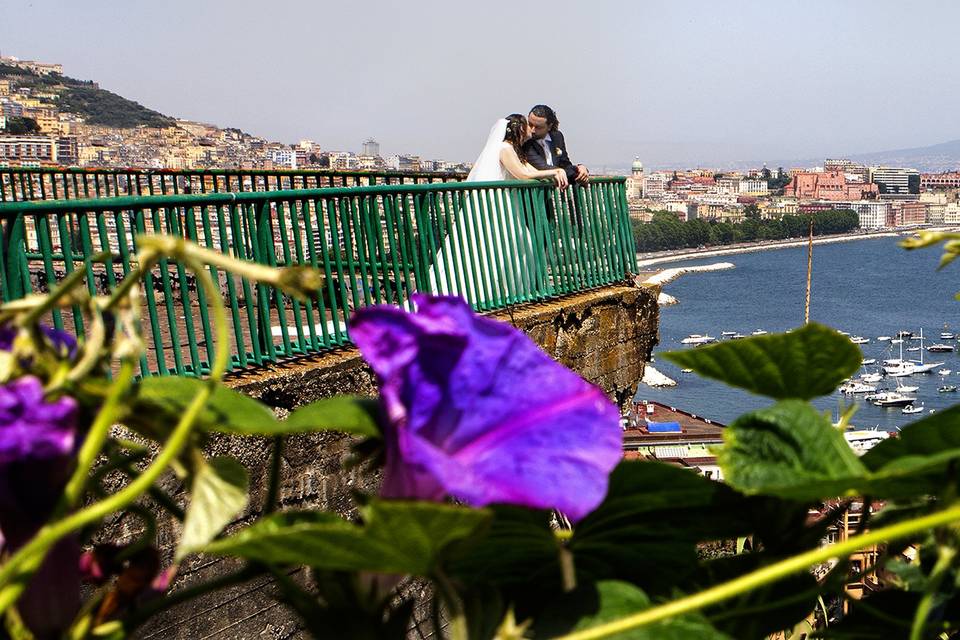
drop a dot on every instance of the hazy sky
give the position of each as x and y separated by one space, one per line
695 82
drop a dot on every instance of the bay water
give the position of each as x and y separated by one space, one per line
868 288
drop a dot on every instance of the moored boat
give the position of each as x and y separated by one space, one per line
696 338
910 408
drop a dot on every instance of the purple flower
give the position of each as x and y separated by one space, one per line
63 344
479 412
30 426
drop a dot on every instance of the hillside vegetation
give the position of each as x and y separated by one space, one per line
85 99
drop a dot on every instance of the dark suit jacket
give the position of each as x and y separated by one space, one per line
558 148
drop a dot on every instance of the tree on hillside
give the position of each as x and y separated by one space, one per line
19 126
751 212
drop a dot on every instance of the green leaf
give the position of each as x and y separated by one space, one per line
647 528
350 414
395 537
159 402
791 451
807 362
607 601
217 496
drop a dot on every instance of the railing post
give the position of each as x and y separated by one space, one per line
16 273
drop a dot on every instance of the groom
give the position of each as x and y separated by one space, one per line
546 148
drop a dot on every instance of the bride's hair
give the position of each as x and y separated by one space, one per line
516 127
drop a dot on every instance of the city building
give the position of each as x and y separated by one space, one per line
753 187
873 214
655 431
29 150
853 170
286 158
655 185
635 180
908 213
896 182
39 68
940 181
68 152
827 185
935 202
370 148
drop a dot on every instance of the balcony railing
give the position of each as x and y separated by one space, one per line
496 244
20 184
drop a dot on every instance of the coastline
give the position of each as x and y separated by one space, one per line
644 259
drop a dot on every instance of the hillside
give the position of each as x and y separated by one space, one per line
87 100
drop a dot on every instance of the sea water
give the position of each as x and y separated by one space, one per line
868 288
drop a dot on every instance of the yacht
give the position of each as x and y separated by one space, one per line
947 388
944 372
901 370
859 340
913 348
728 334
871 378
940 348
696 338
904 333
894 399
946 335
759 332
862 440
867 361
912 409
883 338
853 387
737 336
897 341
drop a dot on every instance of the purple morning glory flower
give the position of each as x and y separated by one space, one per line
30 426
64 344
479 412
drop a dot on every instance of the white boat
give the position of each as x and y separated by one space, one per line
912 409
947 388
728 334
897 341
853 387
867 361
686 370
920 367
903 333
737 336
900 370
859 340
946 335
944 372
913 348
862 440
696 338
940 348
871 378
883 338
759 332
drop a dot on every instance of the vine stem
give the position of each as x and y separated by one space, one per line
458 619
16 572
767 575
937 574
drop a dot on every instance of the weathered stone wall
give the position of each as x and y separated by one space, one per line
606 334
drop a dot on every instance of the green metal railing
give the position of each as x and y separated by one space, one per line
19 184
496 244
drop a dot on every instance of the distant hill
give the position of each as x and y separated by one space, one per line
944 156
87 100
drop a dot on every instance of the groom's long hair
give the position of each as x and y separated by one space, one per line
516 124
545 112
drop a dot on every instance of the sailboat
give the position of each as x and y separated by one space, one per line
921 367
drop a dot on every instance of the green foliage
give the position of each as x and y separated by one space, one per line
395 537
219 490
354 415
805 363
789 450
98 106
666 231
18 126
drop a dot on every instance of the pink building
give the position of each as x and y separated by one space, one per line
907 213
827 185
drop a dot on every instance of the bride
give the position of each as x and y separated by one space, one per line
462 266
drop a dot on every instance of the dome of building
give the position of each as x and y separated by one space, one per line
637 165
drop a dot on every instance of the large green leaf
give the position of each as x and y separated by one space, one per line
160 402
805 363
218 494
647 528
929 442
791 451
395 537
610 600
350 414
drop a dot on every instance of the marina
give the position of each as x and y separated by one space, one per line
721 304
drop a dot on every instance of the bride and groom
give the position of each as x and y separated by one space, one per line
488 253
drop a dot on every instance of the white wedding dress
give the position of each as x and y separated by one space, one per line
487 255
